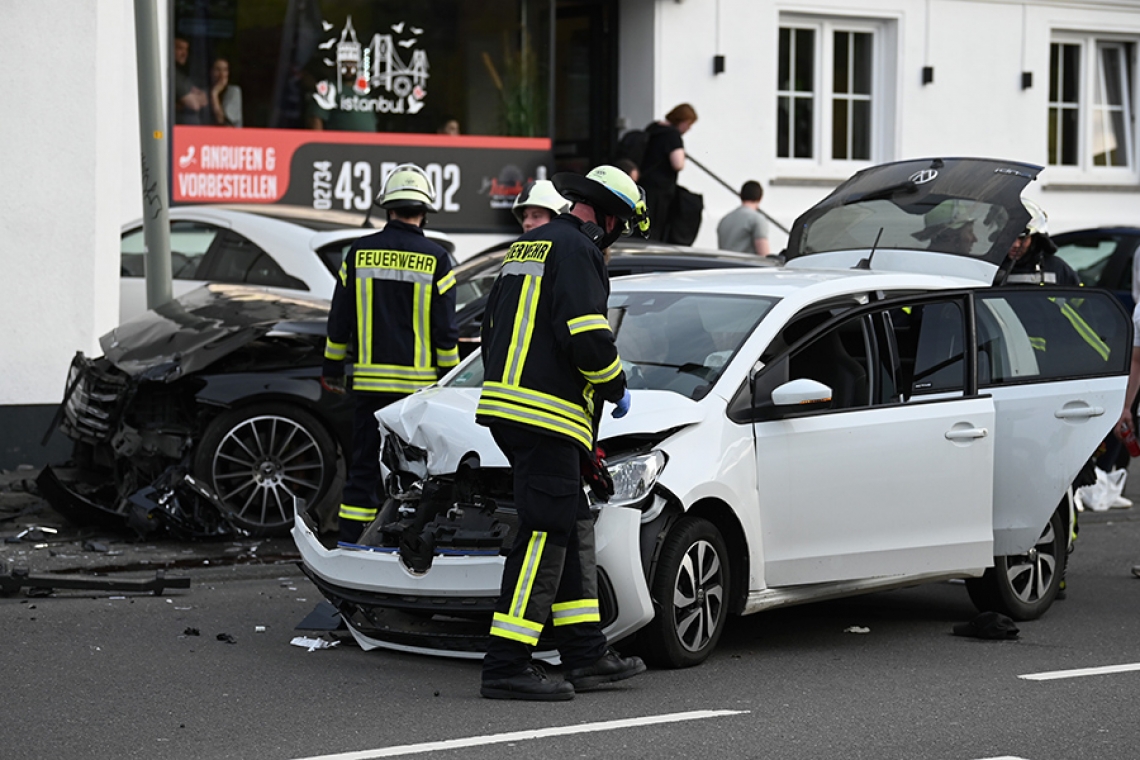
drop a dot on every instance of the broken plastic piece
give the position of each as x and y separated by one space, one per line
312 643
228 638
856 629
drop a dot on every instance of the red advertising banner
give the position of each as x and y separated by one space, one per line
476 177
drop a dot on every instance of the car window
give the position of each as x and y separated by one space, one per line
1039 334
333 254
678 342
1089 256
189 242
474 278
238 260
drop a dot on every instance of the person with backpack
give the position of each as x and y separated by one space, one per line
663 160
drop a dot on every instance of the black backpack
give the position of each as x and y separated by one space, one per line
632 146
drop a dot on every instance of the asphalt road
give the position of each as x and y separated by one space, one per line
90 676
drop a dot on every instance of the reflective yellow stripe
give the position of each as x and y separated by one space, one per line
360 514
387 385
603 375
343 273
536 398
523 329
421 324
364 320
580 611
394 370
1086 332
588 322
335 351
536 419
515 628
446 283
447 357
527 573
1038 344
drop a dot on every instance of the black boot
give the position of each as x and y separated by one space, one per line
532 684
610 667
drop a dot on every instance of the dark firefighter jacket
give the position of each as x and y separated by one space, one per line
395 298
548 349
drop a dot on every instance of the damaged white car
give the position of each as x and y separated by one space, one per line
875 414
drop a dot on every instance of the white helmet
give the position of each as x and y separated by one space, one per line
539 194
1038 223
408 187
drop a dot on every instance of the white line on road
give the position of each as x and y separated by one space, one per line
515 736
1107 669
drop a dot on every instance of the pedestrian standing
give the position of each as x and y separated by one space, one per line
663 160
550 360
394 302
744 229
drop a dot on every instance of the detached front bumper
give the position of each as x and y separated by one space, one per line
446 610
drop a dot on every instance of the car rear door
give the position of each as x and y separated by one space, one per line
189 242
893 477
1056 362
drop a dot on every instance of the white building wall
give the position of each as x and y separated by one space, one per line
975 105
61 150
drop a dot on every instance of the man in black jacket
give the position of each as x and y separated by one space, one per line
395 301
549 361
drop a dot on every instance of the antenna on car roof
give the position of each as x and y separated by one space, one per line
866 263
368 217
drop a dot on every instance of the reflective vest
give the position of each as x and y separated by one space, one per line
548 350
395 299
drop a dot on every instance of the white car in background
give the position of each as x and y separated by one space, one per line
873 415
284 249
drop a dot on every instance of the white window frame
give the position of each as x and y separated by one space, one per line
1091 71
883 96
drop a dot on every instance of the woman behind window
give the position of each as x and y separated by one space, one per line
225 98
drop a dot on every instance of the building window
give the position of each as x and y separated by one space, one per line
1091 113
828 100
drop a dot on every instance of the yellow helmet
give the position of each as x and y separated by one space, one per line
540 194
408 186
609 190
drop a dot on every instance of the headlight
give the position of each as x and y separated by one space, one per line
634 477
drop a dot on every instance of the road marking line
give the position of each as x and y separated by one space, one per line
1055 674
1003 757
514 736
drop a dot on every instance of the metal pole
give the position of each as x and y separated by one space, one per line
153 140
734 191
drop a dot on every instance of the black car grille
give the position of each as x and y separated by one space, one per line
97 394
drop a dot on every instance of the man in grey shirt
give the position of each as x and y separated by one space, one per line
745 229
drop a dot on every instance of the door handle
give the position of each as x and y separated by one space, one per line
1078 412
966 434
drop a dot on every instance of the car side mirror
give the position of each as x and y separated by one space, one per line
801 392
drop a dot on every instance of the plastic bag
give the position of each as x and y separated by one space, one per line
1106 493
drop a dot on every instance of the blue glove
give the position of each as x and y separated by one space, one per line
622 406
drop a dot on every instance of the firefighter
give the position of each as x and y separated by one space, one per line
395 304
537 204
550 360
1033 254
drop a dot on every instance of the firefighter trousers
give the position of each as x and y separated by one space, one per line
360 501
550 574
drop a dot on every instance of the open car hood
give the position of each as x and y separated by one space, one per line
945 216
204 325
441 421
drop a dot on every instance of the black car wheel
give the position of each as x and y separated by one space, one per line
690 589
1023 586
259 459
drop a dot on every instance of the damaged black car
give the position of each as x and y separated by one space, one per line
204 418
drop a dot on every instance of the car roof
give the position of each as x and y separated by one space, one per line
1098 231
780 282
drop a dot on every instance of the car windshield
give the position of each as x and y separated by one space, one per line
678 342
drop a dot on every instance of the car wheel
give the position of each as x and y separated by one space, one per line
1024 586
259 458
690 590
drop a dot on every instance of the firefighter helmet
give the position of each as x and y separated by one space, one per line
539 194
408 187
609 190
1038 223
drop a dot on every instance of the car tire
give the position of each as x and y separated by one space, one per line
258 458
690 590
1023 586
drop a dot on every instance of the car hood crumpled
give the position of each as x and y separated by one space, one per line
441 421
204 325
